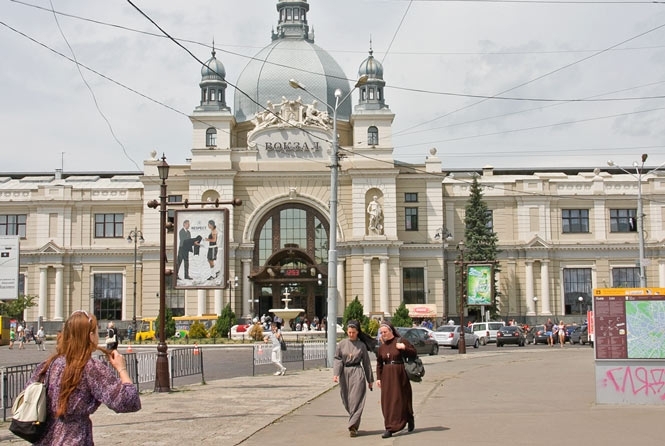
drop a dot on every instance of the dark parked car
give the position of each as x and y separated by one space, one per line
511 334
580 335
536 335
421 339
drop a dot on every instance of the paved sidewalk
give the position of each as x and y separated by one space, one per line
516 396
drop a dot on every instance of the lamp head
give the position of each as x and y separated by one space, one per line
163 168
644 157
610 163
129 239
338 93
535 298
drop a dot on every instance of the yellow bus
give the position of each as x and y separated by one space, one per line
146 329
182 323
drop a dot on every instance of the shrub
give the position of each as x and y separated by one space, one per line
197 331
355 311
373 327
225 321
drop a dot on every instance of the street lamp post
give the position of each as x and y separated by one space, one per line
233 284
162 379
461 345
580 300
331 326
535 305
446 237
639 174
135 236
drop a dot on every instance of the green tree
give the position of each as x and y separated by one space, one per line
479 237
355 311
401 317
14 308
169 327
225 321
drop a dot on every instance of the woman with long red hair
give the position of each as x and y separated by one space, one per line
79 384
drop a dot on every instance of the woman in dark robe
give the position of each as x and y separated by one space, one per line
396 394
352 369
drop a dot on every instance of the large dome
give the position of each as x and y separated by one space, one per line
291 55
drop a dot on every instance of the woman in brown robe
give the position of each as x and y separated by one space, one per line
351 369
396 394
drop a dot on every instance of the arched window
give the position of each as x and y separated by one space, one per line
372 136
211 137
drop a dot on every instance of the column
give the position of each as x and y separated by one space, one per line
341 289
383 286
545 286
219 300
367 284
661 273
43 290
529 289
59 311
201 302
247 303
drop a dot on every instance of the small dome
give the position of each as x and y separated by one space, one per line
371 67
213 69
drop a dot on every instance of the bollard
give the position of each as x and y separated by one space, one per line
196 348
129 348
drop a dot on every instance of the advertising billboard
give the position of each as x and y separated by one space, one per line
201 248
480 284
9 263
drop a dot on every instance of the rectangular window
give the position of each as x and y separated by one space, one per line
175 298
576 284
13 225
575 220
626 277
109 225
170 213
414 285
411 217
411 197
623 220
490 219
107 296
21 284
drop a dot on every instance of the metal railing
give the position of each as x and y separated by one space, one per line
296 352
140 366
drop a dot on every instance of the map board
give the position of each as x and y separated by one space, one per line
629 323
629 328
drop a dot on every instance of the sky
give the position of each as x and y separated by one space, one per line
511 84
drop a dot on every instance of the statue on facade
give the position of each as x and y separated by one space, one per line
375 212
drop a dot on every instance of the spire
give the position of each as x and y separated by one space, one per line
292 20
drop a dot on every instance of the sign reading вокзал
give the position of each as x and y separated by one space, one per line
9 256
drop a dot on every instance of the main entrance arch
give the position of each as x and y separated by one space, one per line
291 254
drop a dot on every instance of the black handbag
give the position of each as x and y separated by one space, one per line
415 369
282 344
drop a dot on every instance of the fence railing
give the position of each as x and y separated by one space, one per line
140 366
296 352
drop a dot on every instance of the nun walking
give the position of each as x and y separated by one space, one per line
352 368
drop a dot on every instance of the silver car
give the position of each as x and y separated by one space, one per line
449 336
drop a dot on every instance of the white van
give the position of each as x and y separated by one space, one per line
486 331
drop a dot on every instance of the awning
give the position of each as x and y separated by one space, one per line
421 310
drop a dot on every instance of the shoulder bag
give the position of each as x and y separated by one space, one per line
282 343
29 411
415 370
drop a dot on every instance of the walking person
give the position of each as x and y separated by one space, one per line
549 327
41 337
20 334
79 384
275 338
351 369
396 393
12 337
562 333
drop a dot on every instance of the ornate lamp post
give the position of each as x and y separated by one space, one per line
580 300
332 244
535 305
446 237
162 383
233 284
135 236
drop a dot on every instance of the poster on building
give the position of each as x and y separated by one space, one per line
479 284
201 248
9 263
628 323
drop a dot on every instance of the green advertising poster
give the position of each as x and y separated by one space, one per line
479 284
